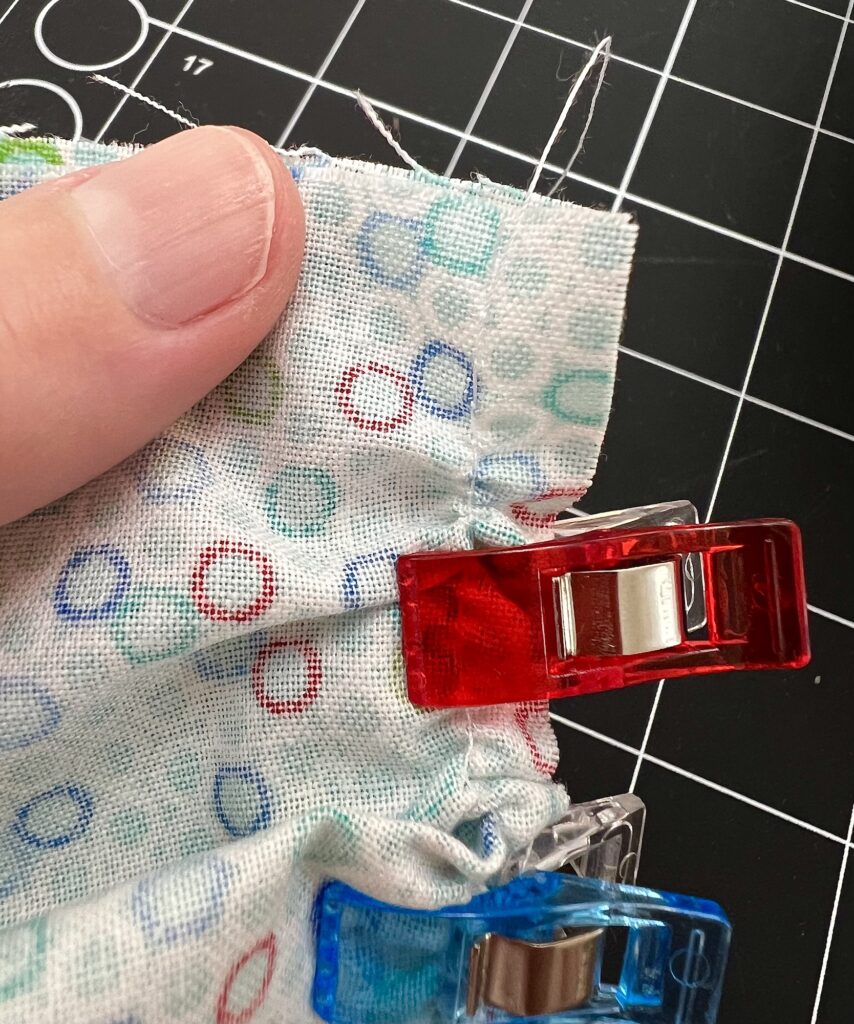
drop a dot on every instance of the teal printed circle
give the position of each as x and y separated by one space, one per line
579 396
602 247
143 633
120 757
328 202
387 325
511 427
460 234
129 827
512 360
593 328
527 277
22 957
301 500
184 772
451 305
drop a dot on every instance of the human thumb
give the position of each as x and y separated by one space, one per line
128 291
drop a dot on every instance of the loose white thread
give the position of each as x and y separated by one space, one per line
299 151
603 47
385 131
606 56
145 99
16 129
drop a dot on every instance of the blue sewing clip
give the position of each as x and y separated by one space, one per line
533 949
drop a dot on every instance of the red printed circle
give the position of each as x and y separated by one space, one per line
529 514
198 585
344 394
522 715
314 673
224 1015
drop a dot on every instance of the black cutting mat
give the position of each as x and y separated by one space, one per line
727 127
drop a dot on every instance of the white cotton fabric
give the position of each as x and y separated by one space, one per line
203 710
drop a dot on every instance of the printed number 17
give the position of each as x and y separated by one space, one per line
201 64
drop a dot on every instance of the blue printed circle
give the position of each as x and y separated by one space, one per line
14 864
241 800
301 500
55 818
173 906
172 471
514 476
229 660
30 713
352 583
443 379
92 584
390 249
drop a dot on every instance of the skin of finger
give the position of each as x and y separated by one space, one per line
83 381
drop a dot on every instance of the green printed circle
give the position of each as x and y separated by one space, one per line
579 396
183 992
22 151
460 234
301 500
254 392
155 623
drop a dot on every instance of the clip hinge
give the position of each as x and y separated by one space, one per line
532 979
619 611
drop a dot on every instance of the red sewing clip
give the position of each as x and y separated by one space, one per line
613 600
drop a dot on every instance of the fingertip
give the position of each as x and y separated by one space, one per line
130 292
288 239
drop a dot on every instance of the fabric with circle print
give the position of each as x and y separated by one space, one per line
203 708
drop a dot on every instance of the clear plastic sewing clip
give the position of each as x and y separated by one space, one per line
597 839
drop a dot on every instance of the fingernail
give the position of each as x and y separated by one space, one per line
186 225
